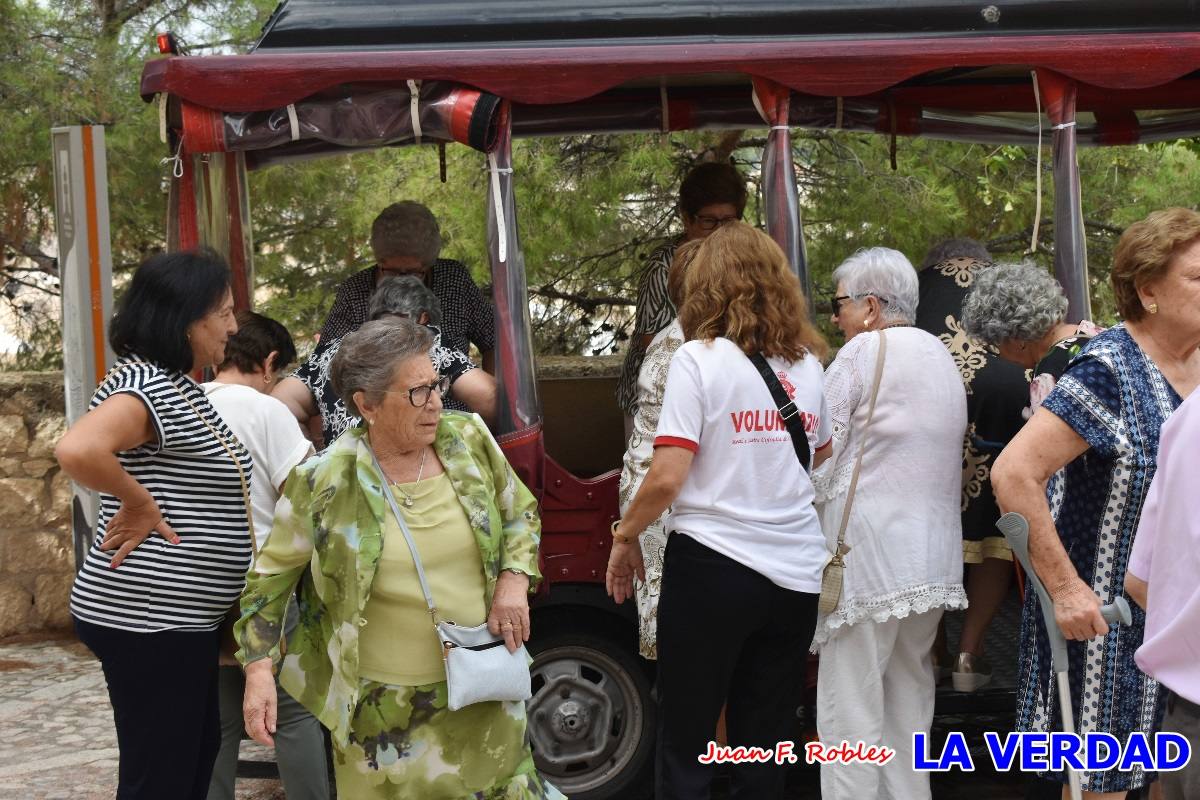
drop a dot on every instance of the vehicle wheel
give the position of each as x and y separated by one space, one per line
591 716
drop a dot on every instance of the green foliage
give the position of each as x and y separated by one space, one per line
591 208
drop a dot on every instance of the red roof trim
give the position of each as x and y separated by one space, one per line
826 67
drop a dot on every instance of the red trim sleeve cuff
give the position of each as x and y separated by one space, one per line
822 447
676 441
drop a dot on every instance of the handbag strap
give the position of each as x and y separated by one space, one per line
787 409
841 540
412 545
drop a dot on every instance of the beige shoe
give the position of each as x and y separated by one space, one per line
971 673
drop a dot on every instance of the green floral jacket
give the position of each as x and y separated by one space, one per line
327 537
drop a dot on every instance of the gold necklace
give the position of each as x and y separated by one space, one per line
408 500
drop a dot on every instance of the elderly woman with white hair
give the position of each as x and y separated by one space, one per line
1020 309
889 498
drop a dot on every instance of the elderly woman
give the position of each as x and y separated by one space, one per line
406 240
891 492
743 561
366 659
652 384
711 195
1020 310
172 544
309 392
1102 431
240 391
997 392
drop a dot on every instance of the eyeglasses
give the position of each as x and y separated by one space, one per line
419 395
707 223
835 305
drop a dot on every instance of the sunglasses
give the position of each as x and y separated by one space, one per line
835 305
707 223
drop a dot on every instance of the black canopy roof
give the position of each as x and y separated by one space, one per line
463 24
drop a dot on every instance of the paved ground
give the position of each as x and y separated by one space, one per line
56 732
57 740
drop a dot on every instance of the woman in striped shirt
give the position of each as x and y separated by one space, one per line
172 541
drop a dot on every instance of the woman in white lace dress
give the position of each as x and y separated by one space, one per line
651 384
904 529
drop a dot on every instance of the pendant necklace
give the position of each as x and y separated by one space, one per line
408 500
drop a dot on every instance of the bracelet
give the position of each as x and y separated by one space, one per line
516 571
617 537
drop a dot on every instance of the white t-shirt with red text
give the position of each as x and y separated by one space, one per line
746 495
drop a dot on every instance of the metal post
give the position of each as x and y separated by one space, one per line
519 409
1070 243
780 193
85 274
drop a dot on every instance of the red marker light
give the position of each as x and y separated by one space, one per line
166 44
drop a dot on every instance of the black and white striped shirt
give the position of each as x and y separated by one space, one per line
162 586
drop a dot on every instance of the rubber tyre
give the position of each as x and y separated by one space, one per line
592 703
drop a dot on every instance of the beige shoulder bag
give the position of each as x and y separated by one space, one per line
832 577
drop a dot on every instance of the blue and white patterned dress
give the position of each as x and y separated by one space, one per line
1114 397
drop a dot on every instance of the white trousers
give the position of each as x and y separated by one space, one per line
876 685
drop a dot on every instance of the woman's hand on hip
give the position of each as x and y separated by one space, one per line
509 616
1077 611
131 525
624 563
260 702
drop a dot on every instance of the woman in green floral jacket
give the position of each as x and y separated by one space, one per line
365 658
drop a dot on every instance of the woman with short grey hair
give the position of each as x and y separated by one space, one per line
876 283
406 240
365 658
1020 310
899 413
309 391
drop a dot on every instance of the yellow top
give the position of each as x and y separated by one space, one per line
398 643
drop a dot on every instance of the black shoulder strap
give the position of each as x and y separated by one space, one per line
787 409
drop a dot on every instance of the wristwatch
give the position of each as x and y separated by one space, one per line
618 537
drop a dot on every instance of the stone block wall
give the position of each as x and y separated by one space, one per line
36 551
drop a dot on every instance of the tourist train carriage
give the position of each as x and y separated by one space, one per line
333 77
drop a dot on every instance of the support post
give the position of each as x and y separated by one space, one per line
1070 243
780 193
519 408
85 275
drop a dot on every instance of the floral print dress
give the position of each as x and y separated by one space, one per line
390 741
1114 397
651 385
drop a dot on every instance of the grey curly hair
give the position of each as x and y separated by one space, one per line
886 274
366 360
405 296
1019 302
406 228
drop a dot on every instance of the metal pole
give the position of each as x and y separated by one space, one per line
1070 243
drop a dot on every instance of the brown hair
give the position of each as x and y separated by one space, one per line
1144 252
740 286
684 255
712 183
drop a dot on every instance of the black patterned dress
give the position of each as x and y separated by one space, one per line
997 393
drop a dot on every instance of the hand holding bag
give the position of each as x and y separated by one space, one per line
479 668
832 577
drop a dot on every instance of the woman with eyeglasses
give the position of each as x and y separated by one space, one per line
713 194
891 491
365 658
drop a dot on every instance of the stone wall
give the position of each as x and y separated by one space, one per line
36 551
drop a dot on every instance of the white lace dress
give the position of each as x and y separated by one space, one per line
651 385
905 529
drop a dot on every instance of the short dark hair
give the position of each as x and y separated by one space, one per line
168 292
961 247
711 183
257 337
